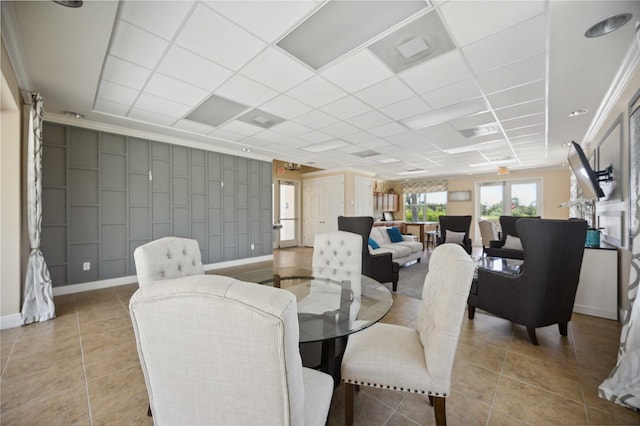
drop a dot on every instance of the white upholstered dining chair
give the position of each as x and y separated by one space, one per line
215 350
416 360
167 258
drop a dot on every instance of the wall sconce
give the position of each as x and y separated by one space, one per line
292 167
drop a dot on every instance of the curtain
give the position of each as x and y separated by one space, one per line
38 291
623 384
425 186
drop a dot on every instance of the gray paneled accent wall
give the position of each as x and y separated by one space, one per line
105 194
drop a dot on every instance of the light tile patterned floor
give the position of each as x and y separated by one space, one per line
82 368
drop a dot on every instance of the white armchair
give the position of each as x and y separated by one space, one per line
167 258
415 360
215 350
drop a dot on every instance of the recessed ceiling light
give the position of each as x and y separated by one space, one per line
445 114
483 130
366 153
608 25
247 150
73 114
578 112
260 118
412 46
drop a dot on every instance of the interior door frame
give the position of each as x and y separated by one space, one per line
297 241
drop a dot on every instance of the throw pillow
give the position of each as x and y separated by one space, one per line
512 243
377 236
395 235
373 243
454 237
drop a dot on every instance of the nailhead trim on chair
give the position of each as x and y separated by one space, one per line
355 382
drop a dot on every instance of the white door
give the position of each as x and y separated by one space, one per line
363 196
323 202
288 213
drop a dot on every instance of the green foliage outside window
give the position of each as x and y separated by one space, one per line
419 209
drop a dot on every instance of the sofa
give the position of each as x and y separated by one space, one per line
402 252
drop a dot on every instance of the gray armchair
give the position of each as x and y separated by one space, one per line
455 229
544 291
508 228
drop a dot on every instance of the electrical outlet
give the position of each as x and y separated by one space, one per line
86 266
253 246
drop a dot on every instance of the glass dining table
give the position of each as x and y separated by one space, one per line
332 304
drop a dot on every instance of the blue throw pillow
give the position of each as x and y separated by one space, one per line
395 235
373 243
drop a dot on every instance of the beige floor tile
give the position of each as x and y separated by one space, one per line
369 411
533 405
398 419
100 311
91 328
483 355
473 381
417 408
499 418
28 365
46 345
388 397
486 329
61 326
121 394
625 416
109 352
599 405
464 410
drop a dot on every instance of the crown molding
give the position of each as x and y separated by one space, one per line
13 43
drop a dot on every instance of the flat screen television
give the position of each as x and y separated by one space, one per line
587 178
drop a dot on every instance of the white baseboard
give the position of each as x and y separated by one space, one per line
595 311
10 321
132 279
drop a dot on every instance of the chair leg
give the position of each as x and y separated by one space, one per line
431 400
395 284
471 311
532 335
562 326
440 411
348 404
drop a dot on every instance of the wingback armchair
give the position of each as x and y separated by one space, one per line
509 244
380 267
455 229
544 291
167 258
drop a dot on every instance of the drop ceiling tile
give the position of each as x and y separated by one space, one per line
172 89
256 142
224 134
125 73
339 129
161 106
239 127
527 108
407 108
517 95
136 45
276 70
526 131
285 107
469 21
291 143
117 93
346 108
440 71
369 119
529 120
406 138
316 119
150 117
358 137
511 45
474 120
357 71
266 19
245 91
388 129
375 144
521 72
326 146
209 34
270 136
160 18
451 94
290 128
186 66
385 93
316 92
315 136
193 126
103 105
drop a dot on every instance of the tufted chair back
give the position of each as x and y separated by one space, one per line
337 253
444 296
167 258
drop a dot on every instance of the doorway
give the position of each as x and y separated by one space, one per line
287 212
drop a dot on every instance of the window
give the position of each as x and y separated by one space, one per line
513 198
425 206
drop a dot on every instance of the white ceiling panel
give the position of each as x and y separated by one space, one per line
316 119
193 126
271 136
161 106
369 119
385 93
227 135
526 131
285 107
316 92
451 94
472 121
266 19
345 108
169 88
315 136
357 71
517 95
209 34
470 21
277 70
358 137
193 69
160 18
151 117
245 91
290 128
528 120
407 108
136 45
103 105
241 128
125 73
340 129
117 93
511 45
527 108
515 74
437 72
388 129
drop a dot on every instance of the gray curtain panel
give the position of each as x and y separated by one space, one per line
38 291
623 384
